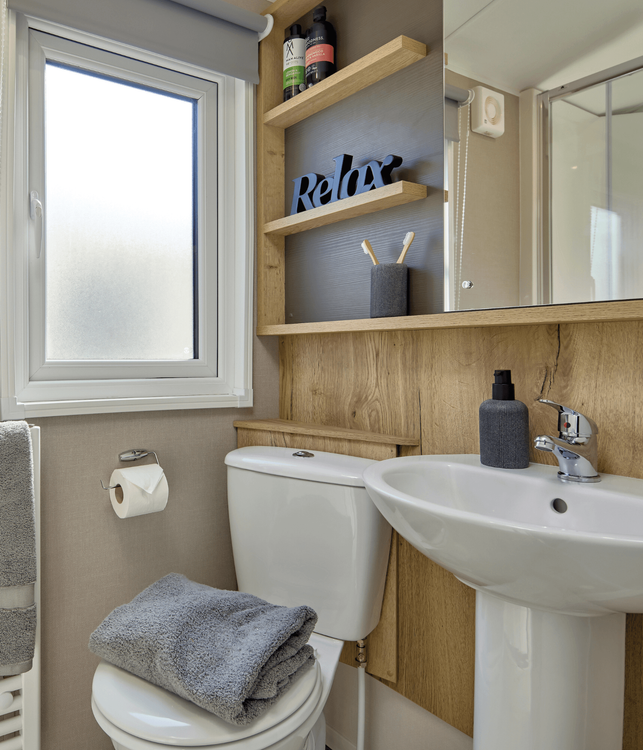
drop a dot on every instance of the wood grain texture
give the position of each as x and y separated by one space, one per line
382 642
430 383
632 725
315 430
270 191
389 196
388 59
591 312
286 12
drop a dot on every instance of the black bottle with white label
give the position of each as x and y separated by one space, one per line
320 48
294 62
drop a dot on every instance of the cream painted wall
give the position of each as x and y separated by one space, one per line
93 561
491 255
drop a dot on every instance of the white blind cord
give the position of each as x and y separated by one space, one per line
460 233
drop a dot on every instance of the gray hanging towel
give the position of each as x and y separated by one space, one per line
17 549
231 653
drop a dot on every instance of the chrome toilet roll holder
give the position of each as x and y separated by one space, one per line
134 454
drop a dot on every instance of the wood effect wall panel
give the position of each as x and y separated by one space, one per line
270 176
356 369
431 383
436 639
632 725
460 375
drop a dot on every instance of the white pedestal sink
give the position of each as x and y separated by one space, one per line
555 567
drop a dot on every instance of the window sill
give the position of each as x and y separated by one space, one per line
11 408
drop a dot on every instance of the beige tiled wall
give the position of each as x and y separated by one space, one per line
93 561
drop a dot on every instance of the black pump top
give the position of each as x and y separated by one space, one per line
319 14
295 30
503 389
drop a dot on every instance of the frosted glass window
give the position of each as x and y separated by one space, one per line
121 220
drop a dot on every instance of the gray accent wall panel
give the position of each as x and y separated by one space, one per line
327 273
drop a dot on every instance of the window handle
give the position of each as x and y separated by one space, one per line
36 211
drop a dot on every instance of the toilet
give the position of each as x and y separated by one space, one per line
304 531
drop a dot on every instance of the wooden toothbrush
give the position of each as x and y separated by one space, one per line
408 239
368 250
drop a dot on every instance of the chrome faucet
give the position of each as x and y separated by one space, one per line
576 446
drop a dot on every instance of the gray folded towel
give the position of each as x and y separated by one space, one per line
230 653
17 527
17 638
17 549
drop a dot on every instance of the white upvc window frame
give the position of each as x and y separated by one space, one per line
221 376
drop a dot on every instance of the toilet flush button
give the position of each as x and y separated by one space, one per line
304 454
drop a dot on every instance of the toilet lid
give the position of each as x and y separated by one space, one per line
153 713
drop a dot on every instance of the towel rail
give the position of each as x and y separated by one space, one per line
10 684
21 718
15 705
8 726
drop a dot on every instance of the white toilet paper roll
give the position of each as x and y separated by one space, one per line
139 490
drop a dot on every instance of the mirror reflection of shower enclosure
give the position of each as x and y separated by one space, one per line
596 189
570 230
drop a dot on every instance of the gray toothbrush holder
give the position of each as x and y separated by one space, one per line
389 290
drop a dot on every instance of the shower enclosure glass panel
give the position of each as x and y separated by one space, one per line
597 192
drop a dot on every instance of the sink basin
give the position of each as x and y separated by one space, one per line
555 567
575 549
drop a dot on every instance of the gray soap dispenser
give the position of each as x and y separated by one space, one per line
504 426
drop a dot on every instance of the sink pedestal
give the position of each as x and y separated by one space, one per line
547 680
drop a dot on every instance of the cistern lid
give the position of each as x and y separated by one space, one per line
151 713
317 466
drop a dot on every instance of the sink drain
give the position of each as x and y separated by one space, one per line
559 505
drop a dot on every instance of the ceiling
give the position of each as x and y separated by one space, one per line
518 44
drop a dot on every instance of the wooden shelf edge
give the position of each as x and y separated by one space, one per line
591 312
303 428
395 194
379 64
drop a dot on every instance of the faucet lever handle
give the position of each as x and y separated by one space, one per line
571 423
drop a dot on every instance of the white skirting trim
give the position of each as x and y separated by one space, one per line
392 720
335 741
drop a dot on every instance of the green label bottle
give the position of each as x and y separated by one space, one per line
294 62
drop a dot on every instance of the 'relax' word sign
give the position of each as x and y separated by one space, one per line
313 190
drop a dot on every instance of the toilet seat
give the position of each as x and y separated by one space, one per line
142 716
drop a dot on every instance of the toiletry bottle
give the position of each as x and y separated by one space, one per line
294 62
320 48
504 427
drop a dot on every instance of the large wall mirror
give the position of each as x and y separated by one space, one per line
551 211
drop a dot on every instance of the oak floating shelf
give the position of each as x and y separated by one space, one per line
589 312
317 430
395 194
392 57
